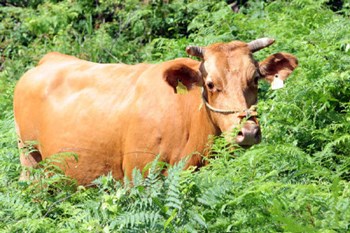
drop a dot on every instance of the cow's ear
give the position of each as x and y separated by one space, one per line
279 65
183 73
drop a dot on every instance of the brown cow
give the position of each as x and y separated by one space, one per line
116 117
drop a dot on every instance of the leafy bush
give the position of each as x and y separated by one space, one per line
296 180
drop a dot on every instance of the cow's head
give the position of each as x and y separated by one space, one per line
229 77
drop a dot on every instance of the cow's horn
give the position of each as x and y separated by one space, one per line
195 51
261 43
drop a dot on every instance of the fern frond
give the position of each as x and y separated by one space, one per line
141 220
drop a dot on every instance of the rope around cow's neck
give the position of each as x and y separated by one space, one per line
244 113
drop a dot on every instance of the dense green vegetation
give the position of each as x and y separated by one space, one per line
296 180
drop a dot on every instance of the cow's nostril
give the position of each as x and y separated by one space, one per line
249 135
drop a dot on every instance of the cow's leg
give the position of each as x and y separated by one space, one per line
29 157
137 160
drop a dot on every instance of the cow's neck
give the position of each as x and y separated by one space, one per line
202 130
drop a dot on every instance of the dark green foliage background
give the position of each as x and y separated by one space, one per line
296 180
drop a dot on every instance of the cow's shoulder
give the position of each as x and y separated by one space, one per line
56 57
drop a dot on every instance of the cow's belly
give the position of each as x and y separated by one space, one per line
83 155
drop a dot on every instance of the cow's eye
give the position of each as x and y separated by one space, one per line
210 85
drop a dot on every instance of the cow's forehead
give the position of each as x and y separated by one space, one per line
228 48
228 57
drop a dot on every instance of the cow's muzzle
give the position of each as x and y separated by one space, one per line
250 134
